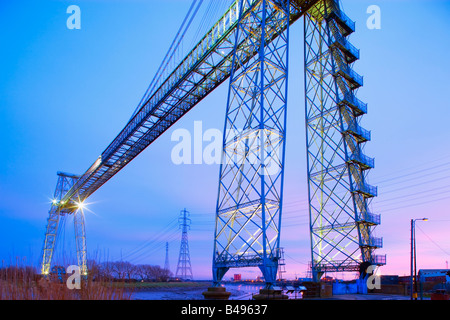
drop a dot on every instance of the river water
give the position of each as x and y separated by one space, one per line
238 292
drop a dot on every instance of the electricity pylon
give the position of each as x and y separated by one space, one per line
184 268
166 262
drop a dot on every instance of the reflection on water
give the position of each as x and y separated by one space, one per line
238 292
243 291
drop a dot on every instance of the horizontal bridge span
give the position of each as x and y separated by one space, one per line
207 66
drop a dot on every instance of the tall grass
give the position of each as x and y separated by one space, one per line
24 283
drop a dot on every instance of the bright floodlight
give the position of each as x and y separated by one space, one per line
80 205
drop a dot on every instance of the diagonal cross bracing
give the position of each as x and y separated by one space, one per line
206 67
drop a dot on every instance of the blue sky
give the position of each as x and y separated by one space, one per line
65 94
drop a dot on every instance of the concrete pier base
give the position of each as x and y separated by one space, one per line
270 294
216 293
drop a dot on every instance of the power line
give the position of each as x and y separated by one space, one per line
416 172
416 204
156 243
168 228
429 238
415 167
295 260
415 194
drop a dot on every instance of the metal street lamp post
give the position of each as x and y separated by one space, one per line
413 280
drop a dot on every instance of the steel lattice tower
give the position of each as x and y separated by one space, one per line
341 224
166 262
57 214
249 45
184 268
249 201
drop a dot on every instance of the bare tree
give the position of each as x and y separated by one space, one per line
121 269
140 272
130 271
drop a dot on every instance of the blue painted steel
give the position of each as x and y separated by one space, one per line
341 227
54 222
249 201
249 44
205 67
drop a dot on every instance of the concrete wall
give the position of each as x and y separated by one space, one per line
401 289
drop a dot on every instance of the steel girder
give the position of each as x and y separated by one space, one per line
80 238
341 225
248 212
205 67
201 71
245 43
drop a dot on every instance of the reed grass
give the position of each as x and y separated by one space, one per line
24 283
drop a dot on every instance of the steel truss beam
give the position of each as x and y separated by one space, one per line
250 45
204 68
207 66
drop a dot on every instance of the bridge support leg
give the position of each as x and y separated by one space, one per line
339 196
269 271
54 223
248 212
50 239
80 239
218 274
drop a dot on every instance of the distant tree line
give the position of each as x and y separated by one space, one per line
126 271
108 271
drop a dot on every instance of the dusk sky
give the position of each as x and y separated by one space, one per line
65 94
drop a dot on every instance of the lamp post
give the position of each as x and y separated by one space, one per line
413 279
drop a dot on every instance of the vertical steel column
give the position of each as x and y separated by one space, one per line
65 182
249 203
340 223
80 239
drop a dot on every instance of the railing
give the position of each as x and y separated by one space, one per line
359 131
246 259
337 266
343 19
350 74
347 46
369 217
362 159
350 99
366 189
379 259
374 242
